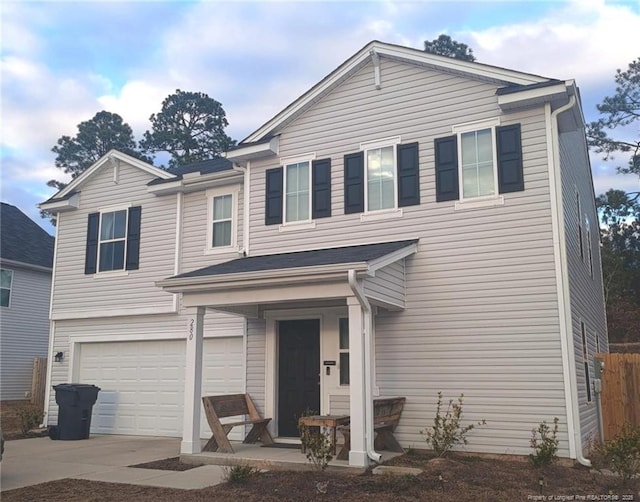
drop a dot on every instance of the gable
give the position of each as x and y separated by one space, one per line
372 54
113 160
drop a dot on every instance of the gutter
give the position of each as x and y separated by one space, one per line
566 338
368 388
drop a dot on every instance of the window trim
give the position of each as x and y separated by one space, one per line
103 211
375 145
588 243
289 161
211 193
474 202
10 288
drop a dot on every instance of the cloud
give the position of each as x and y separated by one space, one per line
584 40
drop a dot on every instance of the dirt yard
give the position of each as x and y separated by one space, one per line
464 478
11 422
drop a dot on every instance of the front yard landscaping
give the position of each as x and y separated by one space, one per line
459 477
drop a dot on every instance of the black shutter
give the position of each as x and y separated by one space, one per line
509 145
446 151
273 199
408 175
321 189
354 183
133 238
91 253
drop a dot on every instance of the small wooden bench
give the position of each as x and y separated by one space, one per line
386 415
231 405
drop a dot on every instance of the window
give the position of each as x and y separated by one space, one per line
113 240
222 222
6 278
297 200
298 192
113 231
589 253
480 161
476 164
585 359
381 175
580 243
344 351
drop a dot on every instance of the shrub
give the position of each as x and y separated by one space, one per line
621 454
30 416
446 431
317 447
544 442
240 474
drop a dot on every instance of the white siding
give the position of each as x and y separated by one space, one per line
387 285
194 240
256 346
481 312
585 291
24 330
76 292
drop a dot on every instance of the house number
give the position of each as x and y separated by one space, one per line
191 323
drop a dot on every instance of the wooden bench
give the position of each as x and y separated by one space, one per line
231 405
386 415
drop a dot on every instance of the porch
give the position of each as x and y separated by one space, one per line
301 300
279 457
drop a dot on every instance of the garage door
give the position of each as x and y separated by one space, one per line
142 383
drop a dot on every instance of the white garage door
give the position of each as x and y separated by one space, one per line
142 383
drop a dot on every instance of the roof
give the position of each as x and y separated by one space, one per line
23 240
374 49
108 159
203 167
300 259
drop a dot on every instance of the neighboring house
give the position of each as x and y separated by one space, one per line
411 224
26 261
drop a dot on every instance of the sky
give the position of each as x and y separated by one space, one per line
62 62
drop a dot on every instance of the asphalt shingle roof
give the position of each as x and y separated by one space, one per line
318 257
23 240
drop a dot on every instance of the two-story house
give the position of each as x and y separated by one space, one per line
26 261
411 224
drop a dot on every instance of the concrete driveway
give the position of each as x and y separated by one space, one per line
100 458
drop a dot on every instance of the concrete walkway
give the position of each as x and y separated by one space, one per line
101 458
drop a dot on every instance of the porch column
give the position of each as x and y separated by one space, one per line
357 454
193 385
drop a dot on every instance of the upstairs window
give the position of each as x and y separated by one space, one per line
477 169
6 278
580 239
222 220
480 161
113 240
383 176
298 192
297 200
113 231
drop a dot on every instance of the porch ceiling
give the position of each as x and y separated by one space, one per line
245 285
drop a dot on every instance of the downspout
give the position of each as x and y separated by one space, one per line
368 381
568 349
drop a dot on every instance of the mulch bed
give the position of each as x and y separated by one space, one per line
167 464
464 478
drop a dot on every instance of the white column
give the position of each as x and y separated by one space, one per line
193 385
357 454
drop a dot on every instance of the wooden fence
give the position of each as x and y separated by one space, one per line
39 381
620 399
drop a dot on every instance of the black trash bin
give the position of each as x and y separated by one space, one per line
75 403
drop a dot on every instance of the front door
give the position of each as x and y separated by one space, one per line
298 372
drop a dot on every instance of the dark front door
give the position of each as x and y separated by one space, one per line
298 372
